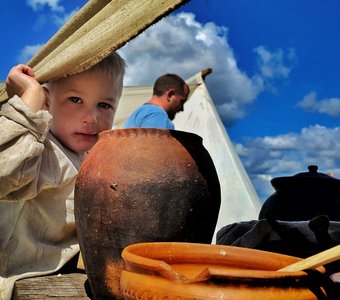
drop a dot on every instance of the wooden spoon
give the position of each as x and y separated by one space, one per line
314 261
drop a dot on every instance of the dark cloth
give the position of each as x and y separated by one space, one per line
290 238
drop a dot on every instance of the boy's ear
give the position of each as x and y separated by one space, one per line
47 98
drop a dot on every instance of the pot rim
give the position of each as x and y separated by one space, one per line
140 131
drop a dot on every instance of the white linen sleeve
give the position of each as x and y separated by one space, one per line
22 136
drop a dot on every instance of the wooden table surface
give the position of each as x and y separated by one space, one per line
65 286
71 286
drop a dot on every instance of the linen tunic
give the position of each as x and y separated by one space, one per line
37 177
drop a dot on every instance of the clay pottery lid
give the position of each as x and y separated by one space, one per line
306 180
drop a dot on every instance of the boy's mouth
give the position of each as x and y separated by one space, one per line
87 134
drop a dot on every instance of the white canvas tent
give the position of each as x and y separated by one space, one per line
239 198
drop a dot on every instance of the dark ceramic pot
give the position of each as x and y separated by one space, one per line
142 185
303 196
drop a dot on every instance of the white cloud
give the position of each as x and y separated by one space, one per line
48 10
329 106
51 4
275 64
282 142
182 45
27 53
288 154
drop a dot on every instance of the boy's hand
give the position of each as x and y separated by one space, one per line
21 81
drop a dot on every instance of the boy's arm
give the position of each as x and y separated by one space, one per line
21 82
22 137
24 127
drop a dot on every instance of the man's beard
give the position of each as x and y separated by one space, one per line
171 116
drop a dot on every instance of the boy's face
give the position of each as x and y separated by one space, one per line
82 106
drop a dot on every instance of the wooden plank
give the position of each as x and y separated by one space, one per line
62 287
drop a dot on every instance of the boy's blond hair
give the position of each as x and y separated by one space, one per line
114 65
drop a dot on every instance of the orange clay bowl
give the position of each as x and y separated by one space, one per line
202 271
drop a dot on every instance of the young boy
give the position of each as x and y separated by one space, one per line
45 134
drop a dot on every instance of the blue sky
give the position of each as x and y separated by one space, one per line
275 80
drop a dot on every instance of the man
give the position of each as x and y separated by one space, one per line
170 92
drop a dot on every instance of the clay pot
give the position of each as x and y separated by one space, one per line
200 271
142 185
303 196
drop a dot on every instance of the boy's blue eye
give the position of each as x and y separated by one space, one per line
75 99
104 105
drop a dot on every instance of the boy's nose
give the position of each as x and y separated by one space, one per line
90 117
